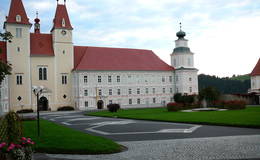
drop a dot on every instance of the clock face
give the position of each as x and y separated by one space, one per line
63 32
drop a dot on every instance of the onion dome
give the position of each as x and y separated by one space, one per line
181 34
37 20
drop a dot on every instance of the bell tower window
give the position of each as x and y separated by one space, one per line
63 22
18 32
18 18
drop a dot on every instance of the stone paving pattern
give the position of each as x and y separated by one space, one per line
214 148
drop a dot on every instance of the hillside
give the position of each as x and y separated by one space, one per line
240 77
225 85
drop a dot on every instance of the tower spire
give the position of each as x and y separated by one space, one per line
17 13
180 26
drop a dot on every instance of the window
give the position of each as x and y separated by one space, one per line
190 79
64 79
146 90
177 78
63 51
118 78
163 79
85 79
86 103
170 78
18 32
138 101
18 49
109 79
118 92
153 90
99 79
129 91
19 79
177 90
100 92
163 90
18 18
85 92
42 73
170 90
190 89
63 22
110 92
110 101
130 101
154 100
138 91
174 62
189 62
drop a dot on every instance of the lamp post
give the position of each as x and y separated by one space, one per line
37 90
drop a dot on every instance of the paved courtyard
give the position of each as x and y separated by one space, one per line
162 140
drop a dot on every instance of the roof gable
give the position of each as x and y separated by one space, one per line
256 70
115 59
41 44
17 8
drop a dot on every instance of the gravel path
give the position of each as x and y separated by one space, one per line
232 147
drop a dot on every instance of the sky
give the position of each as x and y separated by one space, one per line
223 34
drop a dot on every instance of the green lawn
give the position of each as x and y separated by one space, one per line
59 139
249 117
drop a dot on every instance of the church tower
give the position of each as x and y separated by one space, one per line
18 54
182 59
63 53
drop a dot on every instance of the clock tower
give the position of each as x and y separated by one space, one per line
63 55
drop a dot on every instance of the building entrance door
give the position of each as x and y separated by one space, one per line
100 104
43 104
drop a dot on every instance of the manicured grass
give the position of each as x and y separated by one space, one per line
249 117
55 138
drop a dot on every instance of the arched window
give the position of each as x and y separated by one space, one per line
44 73
40 73
18 18
63 22
189 62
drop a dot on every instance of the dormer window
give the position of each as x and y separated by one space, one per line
63 22
18 18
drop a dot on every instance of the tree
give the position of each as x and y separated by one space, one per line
210 94
5 67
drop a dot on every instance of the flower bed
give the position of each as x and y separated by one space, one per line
21 151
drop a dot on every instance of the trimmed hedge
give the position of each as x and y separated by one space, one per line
66 108
113 107
25 111
172 106
232 105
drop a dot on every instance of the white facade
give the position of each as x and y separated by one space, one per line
4 94
255 83
127 88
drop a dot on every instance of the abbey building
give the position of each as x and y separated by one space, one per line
86 77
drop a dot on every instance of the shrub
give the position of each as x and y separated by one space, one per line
236 104
25 111
172 106
113 107
187 100
65 108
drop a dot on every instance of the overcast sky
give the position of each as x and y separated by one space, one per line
223 34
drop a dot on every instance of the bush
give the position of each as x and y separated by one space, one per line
172 106
187 100
65 108
232 105
25 111
113 107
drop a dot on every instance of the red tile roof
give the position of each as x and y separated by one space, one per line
117 59
3 56
41 44
17 8
61 12
256 70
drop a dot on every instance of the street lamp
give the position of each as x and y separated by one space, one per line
37 90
